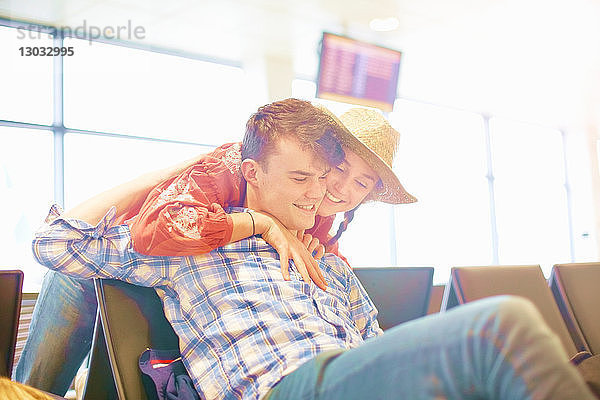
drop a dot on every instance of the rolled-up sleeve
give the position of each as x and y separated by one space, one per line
185 214
76 248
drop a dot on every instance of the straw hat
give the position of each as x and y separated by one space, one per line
368 134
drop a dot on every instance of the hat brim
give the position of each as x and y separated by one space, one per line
392 191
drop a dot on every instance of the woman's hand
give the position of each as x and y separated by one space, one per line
289 246
311 243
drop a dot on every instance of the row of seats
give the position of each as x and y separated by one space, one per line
130 318
400 294
567 301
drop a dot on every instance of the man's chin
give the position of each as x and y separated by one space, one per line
302 224
328 209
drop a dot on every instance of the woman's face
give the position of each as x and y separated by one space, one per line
347 185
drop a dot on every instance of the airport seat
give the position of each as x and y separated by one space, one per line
11 287
99 384
435 300
473 283
131 320
576 288
399 293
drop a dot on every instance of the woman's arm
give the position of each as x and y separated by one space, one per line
127 198
185 215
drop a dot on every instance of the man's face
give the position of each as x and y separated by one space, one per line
291 184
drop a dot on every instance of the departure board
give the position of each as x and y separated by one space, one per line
357 72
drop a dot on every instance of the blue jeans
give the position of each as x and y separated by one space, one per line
60 333
497 348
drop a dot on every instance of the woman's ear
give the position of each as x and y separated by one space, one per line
250 170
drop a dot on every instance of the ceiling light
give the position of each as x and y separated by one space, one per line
384 24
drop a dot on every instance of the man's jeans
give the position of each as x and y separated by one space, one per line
60 333
497 348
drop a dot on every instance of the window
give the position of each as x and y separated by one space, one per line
107 88
368 241
117 89
441 161
152 97
94 163
26 192
26 82
531 202
303 89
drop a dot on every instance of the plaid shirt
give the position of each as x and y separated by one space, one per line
241 327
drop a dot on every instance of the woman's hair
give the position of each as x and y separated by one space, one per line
348 217
15 390
291 118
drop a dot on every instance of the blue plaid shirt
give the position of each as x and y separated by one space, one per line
241 327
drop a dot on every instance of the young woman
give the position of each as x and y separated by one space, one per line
365 174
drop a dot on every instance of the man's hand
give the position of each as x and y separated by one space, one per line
289 246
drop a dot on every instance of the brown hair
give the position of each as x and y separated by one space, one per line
15 390
348 217
299 119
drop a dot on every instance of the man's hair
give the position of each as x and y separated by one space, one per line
292 118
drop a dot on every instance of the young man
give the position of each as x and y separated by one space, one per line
65 312
246 333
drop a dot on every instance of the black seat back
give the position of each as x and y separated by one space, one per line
399 293
11 287
132 320
473 283
576 288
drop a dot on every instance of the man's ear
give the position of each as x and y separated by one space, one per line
250 171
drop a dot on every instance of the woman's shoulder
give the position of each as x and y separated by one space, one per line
227 157
321 228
